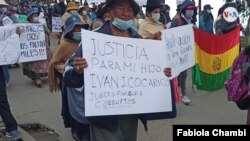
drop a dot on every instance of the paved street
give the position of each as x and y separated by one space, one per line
36 105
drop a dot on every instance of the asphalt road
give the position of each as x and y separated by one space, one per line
30 104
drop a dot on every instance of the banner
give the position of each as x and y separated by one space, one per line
124 75
214 58
56 24
32 43
9 45
179 43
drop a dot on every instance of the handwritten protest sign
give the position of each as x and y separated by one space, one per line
179 43
125 75
32 43
9 45
56 24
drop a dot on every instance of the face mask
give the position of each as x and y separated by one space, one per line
4 9
15 8
84 13
189 14
35 20
77 36
134 27
156 16
208 11
73 12
121 24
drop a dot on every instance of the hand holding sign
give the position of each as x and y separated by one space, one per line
80 64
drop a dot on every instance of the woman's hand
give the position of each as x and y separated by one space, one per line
80 64
167 72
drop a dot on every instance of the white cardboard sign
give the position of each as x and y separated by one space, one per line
124 75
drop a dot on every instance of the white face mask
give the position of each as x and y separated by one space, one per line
35 20
85 13
209 11
156 16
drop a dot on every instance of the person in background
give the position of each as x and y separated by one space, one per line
165 16
5 68
37 69
5 111
71 101
184 17
221 25
24 7
109 128
150 27
71 10
102 16
206 22
59 9
48 17
84 12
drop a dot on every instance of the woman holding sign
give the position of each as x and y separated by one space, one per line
184 17
38 69
109 128
150 28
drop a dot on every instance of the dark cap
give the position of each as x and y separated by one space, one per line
71 22
207 7
32 11
153 4
134 5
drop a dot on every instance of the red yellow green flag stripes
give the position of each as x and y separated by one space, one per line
214 57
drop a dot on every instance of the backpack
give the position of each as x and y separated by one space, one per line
236 87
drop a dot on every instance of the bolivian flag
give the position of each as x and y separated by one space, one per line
214 57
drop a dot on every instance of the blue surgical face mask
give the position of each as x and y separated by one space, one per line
77 36
4 9
134 26
189 14
73 12
121 24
